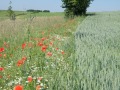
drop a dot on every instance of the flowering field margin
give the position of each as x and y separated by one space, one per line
38 54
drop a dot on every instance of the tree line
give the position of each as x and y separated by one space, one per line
72 8
37 11
75 7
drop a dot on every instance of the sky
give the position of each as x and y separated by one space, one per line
55 5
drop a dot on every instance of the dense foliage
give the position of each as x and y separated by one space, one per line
75 7
46 11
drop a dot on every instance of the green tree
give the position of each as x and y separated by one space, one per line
75 7
11 13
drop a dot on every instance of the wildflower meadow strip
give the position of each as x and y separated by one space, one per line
38 59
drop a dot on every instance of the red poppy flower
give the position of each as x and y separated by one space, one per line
62 52
40 78
40 44
1 76
6 45
4 55
43 39
18 87
23 45
20 62
49 54
57 48
38 87
51 43
1 69
29 78
43 48
24 58
0 55
2 49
